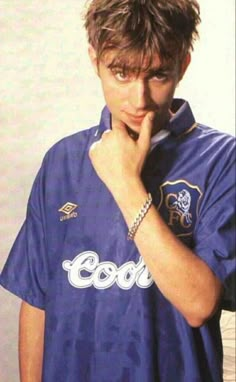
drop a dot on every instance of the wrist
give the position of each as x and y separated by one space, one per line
129 188
139 217
130 196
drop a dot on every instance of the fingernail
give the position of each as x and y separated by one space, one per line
151 115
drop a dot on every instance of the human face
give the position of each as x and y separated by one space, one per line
130 96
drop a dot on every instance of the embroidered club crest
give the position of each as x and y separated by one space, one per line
179 205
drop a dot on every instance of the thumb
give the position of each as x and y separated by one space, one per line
146 131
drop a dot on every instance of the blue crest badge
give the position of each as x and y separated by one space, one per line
179 205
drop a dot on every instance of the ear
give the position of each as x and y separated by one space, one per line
93 58
184 65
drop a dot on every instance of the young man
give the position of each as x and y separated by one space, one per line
125 259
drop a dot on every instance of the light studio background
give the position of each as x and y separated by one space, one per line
48 90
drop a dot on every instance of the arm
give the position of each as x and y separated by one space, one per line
183 278
31 338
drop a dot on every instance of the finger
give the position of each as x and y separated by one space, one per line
105 135
107 132
146 131
93 145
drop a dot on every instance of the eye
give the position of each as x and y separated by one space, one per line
120 75
160 76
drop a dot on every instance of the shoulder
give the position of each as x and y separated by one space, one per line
215 154
70 150
211 144
211 135
66 157
72 145
216 147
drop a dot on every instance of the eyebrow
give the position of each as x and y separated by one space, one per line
121 67
160 69
129 69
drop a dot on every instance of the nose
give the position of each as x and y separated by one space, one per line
139 95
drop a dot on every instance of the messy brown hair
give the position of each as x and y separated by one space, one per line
138 29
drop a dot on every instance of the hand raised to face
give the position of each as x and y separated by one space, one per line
118 158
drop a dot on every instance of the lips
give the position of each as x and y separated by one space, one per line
135 117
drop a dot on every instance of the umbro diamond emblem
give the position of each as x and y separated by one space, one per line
68 211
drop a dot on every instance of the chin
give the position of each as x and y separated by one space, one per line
132 127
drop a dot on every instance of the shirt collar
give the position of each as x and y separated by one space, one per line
181 122
183 119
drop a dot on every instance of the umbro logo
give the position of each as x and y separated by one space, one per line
68 211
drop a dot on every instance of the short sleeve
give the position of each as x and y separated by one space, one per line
215 233
25 272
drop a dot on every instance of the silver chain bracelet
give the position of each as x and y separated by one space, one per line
143 211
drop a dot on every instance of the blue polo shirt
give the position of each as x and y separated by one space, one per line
106 320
